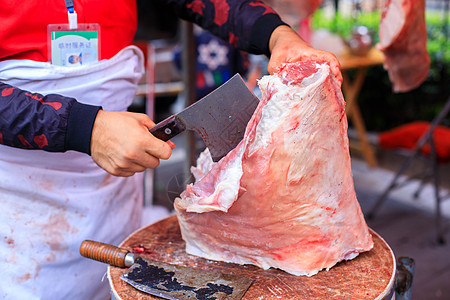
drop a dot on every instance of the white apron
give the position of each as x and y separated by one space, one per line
51 202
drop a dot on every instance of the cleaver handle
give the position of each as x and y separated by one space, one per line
106 253
168 128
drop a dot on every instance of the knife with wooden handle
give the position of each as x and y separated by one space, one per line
107 254
167 280
220 118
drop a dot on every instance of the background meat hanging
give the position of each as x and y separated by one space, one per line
403 40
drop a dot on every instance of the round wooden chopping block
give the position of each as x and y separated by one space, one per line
369 276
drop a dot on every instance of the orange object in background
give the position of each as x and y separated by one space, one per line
407 136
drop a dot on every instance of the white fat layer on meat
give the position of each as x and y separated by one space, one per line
392 23
225 191
204 165
281 103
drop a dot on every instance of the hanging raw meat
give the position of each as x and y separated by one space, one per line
284 197
403 40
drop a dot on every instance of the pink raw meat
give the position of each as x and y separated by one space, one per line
403 40
284 197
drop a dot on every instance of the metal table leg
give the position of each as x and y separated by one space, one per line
426 138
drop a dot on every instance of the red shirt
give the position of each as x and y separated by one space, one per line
23 32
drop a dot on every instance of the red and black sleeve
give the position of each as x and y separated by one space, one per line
245 24
52 123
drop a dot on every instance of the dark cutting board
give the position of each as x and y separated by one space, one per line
369 276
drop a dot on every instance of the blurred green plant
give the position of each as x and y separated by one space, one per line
342 25
381 108
437 43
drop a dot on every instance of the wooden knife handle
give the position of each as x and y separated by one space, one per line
105 253
168 128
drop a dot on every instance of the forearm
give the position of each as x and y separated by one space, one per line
287 33
245 24
52 123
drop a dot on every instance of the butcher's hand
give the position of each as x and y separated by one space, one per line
122 144
287 46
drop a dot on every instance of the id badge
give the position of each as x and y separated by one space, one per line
73 47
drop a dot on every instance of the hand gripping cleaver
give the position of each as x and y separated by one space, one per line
220 118
166 280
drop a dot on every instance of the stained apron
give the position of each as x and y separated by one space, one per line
51 202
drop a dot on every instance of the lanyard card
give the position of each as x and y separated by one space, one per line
73 47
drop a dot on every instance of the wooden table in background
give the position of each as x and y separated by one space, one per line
351 89
368 276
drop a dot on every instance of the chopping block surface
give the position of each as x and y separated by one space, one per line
368 276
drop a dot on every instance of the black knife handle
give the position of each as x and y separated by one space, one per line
105 253
168 128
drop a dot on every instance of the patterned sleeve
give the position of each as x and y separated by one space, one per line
245 24
52 123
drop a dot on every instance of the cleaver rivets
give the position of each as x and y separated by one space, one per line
167 131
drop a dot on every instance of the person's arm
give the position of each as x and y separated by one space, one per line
52 123
119 142
245 24
252 26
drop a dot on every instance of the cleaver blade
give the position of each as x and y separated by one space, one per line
166 280
220 118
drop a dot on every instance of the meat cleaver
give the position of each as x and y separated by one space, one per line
220 118
166 280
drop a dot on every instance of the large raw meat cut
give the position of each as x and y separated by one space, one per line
284 197
403 40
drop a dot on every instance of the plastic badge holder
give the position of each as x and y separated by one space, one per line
73 47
